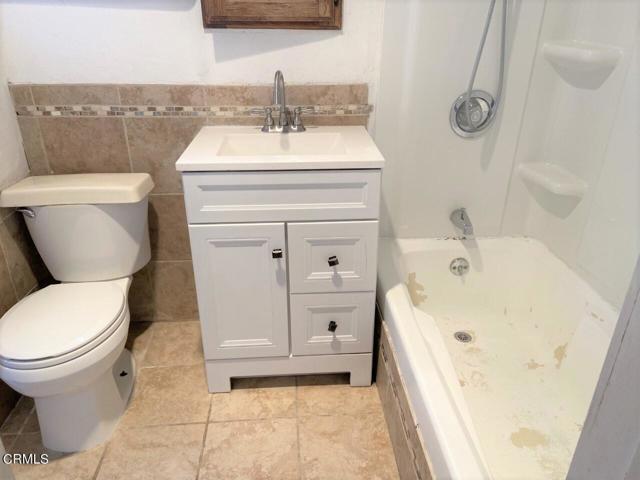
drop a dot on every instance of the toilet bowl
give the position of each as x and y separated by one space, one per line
64 345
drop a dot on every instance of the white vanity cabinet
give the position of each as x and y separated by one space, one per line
285 268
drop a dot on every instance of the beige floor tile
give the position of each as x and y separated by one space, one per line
138 340
76 466
168 395
31 424
346 447
254 398
254 449
153 453
18 416
323 395
174 343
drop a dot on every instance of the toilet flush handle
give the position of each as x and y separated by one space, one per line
27 212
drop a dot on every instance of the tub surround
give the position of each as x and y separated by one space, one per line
97 128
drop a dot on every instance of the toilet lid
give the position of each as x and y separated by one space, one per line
59 319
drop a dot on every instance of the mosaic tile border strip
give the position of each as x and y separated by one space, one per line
134 111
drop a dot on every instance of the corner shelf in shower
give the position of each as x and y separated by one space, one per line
582 64
553 178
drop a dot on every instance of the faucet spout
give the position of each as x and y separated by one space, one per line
460 219
279 98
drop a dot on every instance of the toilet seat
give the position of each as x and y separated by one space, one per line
60 323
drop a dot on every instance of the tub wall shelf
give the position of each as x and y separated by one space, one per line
582 64
553 178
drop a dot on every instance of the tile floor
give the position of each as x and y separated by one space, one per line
315 427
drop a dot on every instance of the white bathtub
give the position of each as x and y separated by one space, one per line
509 404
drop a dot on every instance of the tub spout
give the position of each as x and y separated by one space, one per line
460 219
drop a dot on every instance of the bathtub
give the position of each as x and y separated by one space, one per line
510 400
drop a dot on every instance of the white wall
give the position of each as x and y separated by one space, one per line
13 164
427 56
163 41
592 133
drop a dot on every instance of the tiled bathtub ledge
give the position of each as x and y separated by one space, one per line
406 440
180 110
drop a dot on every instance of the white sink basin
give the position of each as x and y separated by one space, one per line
247 148
242 144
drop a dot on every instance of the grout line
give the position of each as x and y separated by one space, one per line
204 438
99 466
5 254
126 141
43 147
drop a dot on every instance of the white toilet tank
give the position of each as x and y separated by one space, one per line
86 227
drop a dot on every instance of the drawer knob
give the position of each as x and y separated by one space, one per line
276 253
333 326
333 261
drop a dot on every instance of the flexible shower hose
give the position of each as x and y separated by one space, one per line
503 48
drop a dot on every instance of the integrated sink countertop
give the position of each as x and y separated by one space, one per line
247 148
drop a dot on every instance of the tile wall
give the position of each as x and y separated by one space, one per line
21 272
145 128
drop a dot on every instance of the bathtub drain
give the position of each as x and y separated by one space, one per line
463 336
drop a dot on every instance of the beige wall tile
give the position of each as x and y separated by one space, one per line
21 95
25 265
346 447
255 449
242 121
329 399
85 145
156 143
174 344
328 120
168 228
406 413
13 412
138 340
173 291
33 146
403 453
154 453
18 416
239 95
141 296
75 94
183 95
77 466
168 395
255 398
7 293
357 94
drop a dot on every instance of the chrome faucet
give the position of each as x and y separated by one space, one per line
283 125
460 219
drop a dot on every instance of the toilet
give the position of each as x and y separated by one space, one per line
64 344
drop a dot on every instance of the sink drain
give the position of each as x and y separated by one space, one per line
462 336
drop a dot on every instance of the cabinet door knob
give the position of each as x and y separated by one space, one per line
333 326
333 261
276 253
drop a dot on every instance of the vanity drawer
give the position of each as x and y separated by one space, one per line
216 197
313 316
314 248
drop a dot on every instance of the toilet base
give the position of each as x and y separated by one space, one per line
87 417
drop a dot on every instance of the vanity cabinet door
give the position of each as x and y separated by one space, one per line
241 282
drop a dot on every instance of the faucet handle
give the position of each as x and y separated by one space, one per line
297 126
268 120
